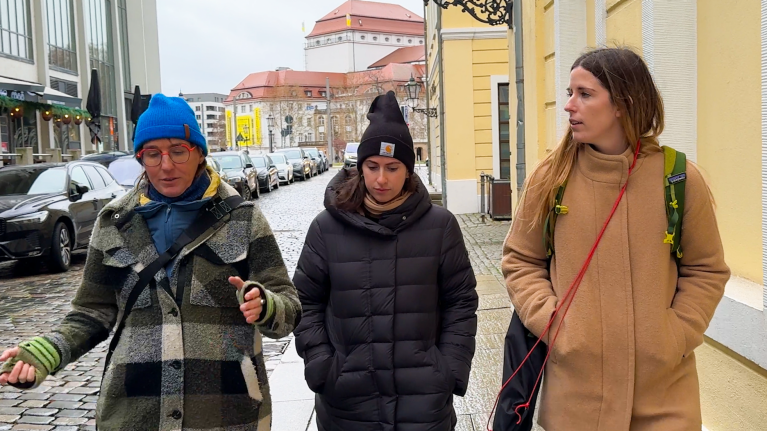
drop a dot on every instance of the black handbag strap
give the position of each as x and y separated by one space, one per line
211 213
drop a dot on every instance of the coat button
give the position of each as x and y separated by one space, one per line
176 415
404 217
174 312
176 365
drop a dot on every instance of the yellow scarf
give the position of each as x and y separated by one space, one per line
375 209
215 181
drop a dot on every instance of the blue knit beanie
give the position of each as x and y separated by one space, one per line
168 117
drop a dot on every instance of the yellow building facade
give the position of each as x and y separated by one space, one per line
466 63
709 60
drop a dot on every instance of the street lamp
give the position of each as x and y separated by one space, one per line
270 126
413 90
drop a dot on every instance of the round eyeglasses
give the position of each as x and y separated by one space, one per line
152 157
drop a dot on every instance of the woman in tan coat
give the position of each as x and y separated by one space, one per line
623 359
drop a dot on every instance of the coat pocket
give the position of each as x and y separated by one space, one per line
677 334
209 284
443 368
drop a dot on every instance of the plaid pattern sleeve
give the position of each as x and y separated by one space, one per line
94 309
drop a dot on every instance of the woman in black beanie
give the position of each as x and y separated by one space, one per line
388 293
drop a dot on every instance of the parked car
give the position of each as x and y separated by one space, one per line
326 159
350 154
47 210
104 157
302 166
213 163
240 172
284 168
126 170
268 176
314 154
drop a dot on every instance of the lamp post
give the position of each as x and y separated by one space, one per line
270 126
413 90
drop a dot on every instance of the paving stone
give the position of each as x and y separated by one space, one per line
71 413
8 419
31 396
5 427
64 428
84 391
9 403
34 404
88 406
70 421
31 427
41 412
38 420
90 399
67 397
11 410
74 384
64 405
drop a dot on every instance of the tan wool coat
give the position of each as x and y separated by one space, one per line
624 358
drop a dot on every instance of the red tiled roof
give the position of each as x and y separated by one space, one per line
370 16
410 54
262 85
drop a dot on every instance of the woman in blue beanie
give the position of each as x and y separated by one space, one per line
188 353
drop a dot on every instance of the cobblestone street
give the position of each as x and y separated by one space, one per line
31 304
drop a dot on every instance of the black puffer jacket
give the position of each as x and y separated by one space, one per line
389 316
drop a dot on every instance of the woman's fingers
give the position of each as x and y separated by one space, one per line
31 374
14 376
24 373
9 353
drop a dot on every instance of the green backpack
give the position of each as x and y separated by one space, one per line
673 180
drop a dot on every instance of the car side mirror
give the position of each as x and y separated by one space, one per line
76 193
248 165
273 166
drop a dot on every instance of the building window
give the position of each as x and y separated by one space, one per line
62 52
308 93
197 108
210 117
310 134
198 117
375 38
399 40
323 93
503 128
122 11
244 95
321 120
340 38
420 42
362 37
317 42
322 137
15 29
410 41
210 108
386 39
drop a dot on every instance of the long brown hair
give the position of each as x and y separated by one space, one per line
632 90
350 195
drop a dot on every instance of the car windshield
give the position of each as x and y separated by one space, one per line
293 154
126 171
278 159
352 148
32 181
258 162
229 162
313 152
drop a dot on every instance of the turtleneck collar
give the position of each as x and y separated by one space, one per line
607 168
195 191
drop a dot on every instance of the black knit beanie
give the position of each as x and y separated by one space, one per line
388 134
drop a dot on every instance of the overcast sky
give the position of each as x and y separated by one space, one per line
210 46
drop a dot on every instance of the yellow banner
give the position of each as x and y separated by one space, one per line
257 118
245 131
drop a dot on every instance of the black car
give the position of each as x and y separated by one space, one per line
104 157
240 172
314 154
302 166
49 209
268 175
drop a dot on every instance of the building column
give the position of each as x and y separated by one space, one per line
45 138
569 44
122 119
669 45
600 23
764 149
84 66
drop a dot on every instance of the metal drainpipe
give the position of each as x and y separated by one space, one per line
426 92
442 154
520 82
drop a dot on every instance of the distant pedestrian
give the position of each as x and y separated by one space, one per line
623 357
196 277
388 293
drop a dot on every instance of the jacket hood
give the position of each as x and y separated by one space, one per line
390 222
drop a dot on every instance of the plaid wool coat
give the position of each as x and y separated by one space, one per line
187 359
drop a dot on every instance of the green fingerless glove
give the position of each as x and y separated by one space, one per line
267 309
39 353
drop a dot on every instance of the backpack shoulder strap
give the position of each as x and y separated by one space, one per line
674 178
551 220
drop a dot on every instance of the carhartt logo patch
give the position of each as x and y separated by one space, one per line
387 149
